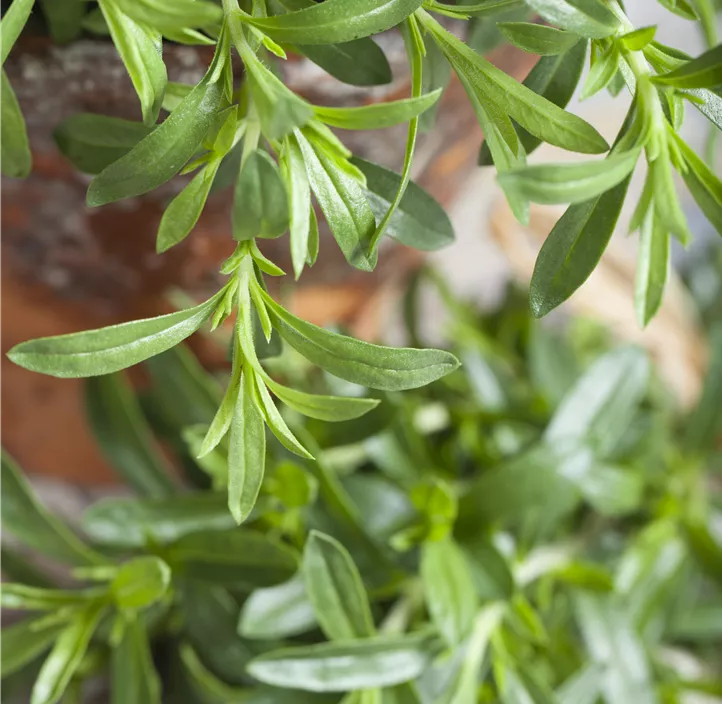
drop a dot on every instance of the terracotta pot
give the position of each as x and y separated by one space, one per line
68 268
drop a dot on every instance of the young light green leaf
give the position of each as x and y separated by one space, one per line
20 597
93 142
538 38
182 214
639 38
451 596
24 517
533 112
65 657
328 408
335 21
703 72
22 642
260 203
140 583
277 612
335 589
293 172
131 523
342 201
140 47
360 63
12 24
124 437
374 366
179 15
600 406
341 667
247 453
222 419
95 352
573 249
652 268
161 155
419 221
588 18
238 557
569 183
378 115
15 157
604 70
133 675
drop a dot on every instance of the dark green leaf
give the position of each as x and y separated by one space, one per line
132 523
335 589
29 522
363 363
336 21
703 72
124 436
133 675
277 612
359 63
706 546
238 557
95 352
140 582
538 38
22 642
338 667
15 157
588 18
64 18
449 589
419 221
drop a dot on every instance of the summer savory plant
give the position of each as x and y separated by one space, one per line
281 152
543 526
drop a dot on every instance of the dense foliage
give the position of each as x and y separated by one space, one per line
540 526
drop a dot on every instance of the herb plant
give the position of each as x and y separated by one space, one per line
542 526
288 154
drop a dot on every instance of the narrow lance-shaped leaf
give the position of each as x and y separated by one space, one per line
32 524
374 366
124 436
703 72
335 21
22 642
334 586
293 172
15 157
360 63
341 667
588 18
12 24
247 452
652 268
95 352
133 675
538 38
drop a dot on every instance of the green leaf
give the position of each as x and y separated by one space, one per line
293 172
706 547
179 15
339 667
17 568
335 589
15 157
23 598
569 183
65 657
538 38
277 612
492 86
705 421
639 38
95 352
387 368
601 404
335 21
22 642
140 582
12 24
342 201
238 557
133 675
247 453
377 115
260 203
449 589
29 522
703 72
588 18
604 70
652 268
64 18
124 437
419 221
132 523
161 155
329 408
140 48
359 63
583 687
93 142
183 212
